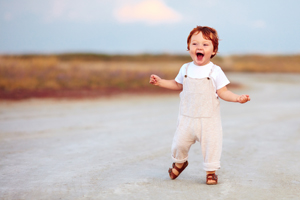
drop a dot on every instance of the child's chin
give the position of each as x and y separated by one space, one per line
199 61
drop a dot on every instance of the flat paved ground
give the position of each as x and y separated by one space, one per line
119 148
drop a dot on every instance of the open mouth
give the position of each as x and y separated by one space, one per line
199 56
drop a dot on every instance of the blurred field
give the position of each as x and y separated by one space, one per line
87 75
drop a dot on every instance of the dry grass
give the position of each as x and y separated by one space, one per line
258 63
52 73
70 72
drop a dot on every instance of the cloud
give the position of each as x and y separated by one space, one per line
148 11
57 10
76 10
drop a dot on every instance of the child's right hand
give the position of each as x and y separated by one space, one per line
154 79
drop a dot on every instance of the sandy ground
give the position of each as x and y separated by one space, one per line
119 148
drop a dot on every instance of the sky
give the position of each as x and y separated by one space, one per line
147 26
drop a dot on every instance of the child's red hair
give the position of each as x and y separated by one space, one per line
208 34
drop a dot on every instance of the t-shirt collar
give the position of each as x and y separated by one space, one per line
208 64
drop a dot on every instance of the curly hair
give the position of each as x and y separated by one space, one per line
208 34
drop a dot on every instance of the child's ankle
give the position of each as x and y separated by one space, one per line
210 172
179 164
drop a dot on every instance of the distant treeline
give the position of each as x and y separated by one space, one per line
54 75
106 57
262 63
241 63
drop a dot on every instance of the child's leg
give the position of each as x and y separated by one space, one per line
211 143
183 139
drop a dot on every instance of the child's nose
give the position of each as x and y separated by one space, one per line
199 46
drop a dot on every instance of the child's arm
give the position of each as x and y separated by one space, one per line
169 84
227 95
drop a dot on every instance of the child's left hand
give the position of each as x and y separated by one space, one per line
243 98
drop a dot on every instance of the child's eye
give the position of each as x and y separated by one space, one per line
193 43
205 44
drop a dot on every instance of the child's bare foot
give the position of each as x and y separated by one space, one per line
176 169
211 178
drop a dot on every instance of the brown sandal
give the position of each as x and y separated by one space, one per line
212 177
174 176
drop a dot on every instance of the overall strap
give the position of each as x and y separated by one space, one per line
186 70
211 71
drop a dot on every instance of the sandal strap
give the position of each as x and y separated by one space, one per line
175 167
172 175
213 177
180 169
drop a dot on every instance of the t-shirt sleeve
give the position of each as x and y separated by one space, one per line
221 79
180 75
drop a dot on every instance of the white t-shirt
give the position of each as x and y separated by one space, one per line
219 78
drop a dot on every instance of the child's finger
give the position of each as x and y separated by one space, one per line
245 97
152 78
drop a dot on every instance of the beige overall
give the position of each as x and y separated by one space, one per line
199 120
